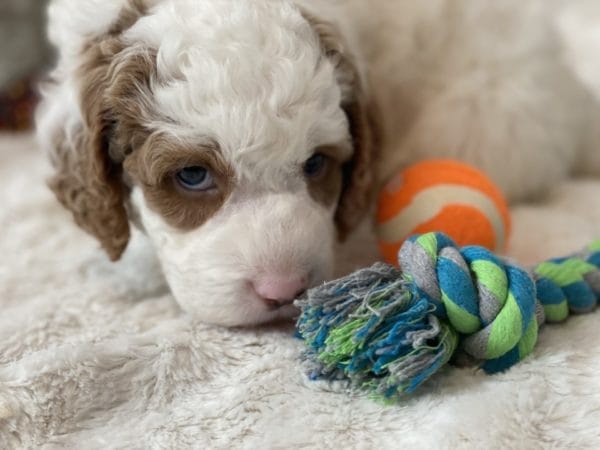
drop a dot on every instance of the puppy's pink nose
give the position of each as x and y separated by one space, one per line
279 290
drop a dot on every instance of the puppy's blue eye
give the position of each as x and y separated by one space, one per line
315 165
195 178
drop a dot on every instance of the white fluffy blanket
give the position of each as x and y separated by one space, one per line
97 355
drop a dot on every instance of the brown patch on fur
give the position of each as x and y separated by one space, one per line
358 178
128 16
88 180
88 185
154 167
327 187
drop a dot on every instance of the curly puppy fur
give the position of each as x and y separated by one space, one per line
251 90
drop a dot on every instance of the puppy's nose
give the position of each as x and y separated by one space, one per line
277 290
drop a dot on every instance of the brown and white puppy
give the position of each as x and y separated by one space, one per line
234 133
240 135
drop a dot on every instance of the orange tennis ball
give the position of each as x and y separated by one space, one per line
446 196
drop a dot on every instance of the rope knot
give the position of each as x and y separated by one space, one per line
490 303
390 329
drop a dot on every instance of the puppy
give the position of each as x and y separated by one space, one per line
246 137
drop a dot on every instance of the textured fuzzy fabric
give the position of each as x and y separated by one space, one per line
97 355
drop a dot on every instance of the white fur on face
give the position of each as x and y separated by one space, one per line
250 76
210 269
252 79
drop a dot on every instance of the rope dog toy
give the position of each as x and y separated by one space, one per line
388 330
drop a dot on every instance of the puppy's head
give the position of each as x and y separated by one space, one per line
235 134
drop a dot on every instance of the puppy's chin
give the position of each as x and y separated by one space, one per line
287 313
241 310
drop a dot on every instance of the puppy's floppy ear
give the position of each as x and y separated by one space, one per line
88 184
87 152
359 183
359 179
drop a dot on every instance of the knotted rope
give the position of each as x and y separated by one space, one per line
389 330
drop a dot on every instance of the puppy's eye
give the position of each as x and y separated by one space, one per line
195 178
315 165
